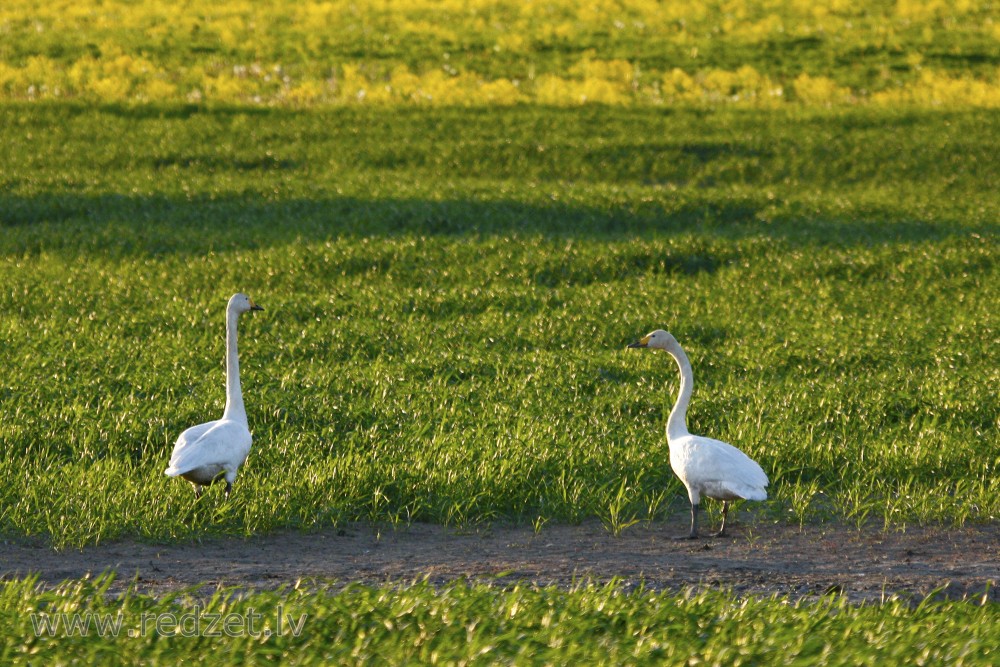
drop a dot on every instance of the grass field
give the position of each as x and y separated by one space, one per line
450 280
481 625
449 295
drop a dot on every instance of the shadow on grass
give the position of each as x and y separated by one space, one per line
712 171
125 225
812 150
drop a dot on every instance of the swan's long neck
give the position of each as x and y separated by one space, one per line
234 396
677 423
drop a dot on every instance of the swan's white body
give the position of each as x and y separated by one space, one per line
707 467
715 469
215 449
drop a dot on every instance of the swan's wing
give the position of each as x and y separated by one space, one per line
719 469
225 443
189 437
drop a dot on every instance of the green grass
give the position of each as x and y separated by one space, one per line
479 624
448 297
449 293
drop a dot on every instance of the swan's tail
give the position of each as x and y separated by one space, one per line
754 494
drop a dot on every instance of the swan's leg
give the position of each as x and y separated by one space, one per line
694 525
229 487
722 528
197 490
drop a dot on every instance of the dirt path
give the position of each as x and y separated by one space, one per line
762 560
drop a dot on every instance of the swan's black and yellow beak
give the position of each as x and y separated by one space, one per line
254 306
642 342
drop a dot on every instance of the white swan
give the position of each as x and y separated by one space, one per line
216 449
707 467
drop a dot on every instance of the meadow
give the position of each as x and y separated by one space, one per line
449 296
451 275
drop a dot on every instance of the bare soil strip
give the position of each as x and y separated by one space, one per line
762 560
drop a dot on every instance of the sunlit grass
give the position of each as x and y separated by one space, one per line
449 295
422 624
449 291
923 53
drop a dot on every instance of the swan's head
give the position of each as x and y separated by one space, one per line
241 303
658 339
